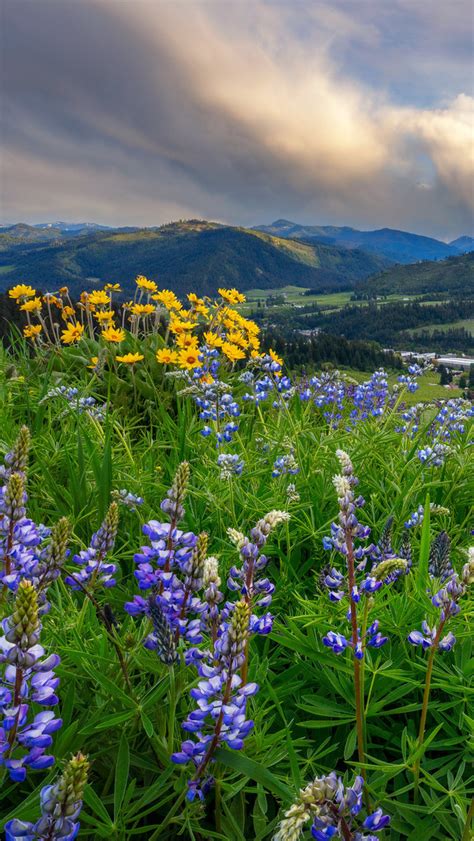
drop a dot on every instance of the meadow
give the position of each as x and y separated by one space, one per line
235 605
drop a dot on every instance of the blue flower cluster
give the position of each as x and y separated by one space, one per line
221 698
285 464
334 808
81 405
94 569
27 677
172 569
446 600
61 804
230 465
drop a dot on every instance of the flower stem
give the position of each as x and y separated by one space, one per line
424 708
466 836
357 677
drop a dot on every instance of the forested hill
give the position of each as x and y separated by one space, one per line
186 256
453 277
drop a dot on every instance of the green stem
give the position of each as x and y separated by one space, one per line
172 709
467 834
424 708
357 681
362 669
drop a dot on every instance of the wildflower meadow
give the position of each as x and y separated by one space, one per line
236 601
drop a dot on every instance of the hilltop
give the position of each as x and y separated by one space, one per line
184 256
397 246
451 277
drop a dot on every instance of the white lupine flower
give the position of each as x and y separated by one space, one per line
344 461
210 574
342 485
237 538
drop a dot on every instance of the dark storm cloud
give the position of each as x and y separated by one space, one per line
136 111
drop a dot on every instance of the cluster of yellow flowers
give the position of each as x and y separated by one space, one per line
213 322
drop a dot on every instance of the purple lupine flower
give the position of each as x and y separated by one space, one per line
172 569
220 716
230 465
61 804
82 404
128 499
26 676
446 600
247 579
94 569
343 538
286 464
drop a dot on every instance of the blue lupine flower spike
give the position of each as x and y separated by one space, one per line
61 805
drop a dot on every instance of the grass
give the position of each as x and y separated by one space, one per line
304 712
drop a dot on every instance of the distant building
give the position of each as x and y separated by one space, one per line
463 362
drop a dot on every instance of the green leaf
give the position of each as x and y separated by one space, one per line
350 745
255 771
121 774
422 571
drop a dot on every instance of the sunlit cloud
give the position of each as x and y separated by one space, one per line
139 112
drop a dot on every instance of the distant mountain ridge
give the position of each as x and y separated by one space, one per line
453 277
397 246
193 255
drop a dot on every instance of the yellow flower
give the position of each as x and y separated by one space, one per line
166 356
143 283
67 310
94 361
206 379
232 296
185 340
189 359
193 298
64 290
142 309
232 352
177 326
213 339
255 354
22 290
31 331
168 299
72 333
34 304
99 297
254 343
113 287
104 315
201 309
113 334
236 338
275 357
130 358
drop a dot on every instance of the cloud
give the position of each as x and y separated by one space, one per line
138 112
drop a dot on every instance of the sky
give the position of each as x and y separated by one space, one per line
139 112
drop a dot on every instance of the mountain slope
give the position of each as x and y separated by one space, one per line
463 244
398 246
454 276
184 256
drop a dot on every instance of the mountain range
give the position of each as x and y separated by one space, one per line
197 255
398 246
184 256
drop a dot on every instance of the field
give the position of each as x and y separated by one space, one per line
466 324
288 648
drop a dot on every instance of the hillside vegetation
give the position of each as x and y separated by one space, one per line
183 257
453 276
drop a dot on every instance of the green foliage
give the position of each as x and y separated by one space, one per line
304 713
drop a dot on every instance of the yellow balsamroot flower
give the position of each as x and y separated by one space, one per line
130 358
254 343
177 326
232 296
232 352
189 359
275 357
72 333
33 305
142 309
143 283
31 331
113 287
168 299
193 298
201 309
93 362
22 290
99 297
213 339
206 379
236 338
185 340
64 290
113 334
104 315
166 356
